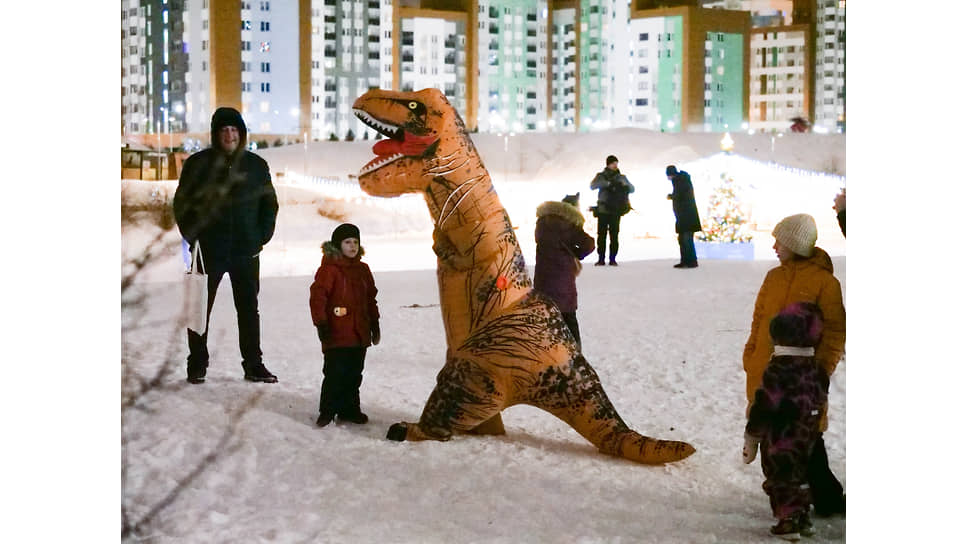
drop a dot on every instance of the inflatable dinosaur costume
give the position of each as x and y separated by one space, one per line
506 344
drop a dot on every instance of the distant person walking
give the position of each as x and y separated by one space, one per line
561 245
225 202
687 216
613 202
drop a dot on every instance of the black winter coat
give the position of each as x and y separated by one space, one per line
613 192
684 204
229 208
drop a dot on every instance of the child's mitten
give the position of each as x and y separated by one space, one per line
750 445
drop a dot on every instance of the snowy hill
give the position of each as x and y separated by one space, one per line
317 190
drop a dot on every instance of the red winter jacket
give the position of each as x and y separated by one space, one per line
343 295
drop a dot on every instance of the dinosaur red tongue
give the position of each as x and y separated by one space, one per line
411 145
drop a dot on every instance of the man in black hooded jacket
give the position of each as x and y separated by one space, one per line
225 202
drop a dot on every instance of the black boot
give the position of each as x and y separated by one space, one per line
397 432
259 373
359 418
196 373
324 419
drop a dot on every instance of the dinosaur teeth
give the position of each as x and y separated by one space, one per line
384 128
379 162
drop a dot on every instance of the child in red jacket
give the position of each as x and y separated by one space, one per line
342 300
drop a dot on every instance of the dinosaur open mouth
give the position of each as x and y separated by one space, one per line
399 143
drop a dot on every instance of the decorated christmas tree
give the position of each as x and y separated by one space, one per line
725 221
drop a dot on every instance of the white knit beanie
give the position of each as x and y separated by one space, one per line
798 233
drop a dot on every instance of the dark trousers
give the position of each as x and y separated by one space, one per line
244 274
687 248
608 227
826 492
571 319
342 376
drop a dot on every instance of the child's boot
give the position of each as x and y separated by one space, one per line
805 525
787 529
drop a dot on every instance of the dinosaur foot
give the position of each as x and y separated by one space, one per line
397 432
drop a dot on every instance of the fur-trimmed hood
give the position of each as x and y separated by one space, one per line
567 212
334 253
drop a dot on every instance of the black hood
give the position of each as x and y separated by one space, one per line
228 117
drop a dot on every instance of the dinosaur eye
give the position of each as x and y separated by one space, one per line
412 105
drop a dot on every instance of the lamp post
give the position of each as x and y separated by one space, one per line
158 133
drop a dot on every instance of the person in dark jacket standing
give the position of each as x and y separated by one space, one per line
342 302
561 245
225 202
613 202
687 216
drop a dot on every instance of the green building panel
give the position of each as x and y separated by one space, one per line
669 87
591 49
526 79
726 104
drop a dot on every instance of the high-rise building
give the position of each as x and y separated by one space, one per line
248 55
351 51
295 67
798 68
513 57
830 110
435 50
153 65
689 67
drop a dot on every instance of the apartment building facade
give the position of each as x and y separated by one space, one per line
689 68
512 51
294 67
153 66
351 50
830 102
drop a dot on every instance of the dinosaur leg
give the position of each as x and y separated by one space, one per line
493 426
573 393
467 397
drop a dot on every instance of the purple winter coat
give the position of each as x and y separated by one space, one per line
561 243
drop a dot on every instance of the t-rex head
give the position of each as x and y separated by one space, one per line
426 138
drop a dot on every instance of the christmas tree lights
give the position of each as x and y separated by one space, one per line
725 221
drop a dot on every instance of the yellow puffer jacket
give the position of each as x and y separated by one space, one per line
804 280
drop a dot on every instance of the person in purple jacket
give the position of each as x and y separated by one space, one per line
561 245
784 420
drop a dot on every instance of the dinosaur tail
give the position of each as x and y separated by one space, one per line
576 397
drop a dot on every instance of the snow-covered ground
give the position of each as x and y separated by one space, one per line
667 344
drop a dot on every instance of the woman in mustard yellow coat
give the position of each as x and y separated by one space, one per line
805 274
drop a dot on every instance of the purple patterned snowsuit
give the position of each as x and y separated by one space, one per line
785 416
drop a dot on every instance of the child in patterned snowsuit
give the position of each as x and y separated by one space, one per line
785 416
